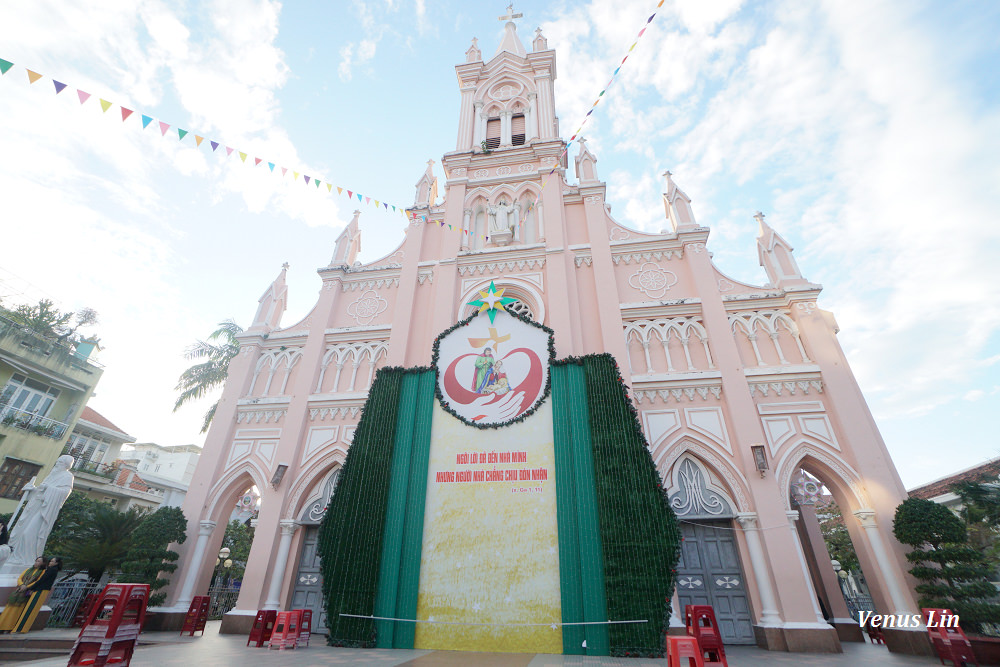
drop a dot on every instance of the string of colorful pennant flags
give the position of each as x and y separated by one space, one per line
164 127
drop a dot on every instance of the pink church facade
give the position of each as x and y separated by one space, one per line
743 392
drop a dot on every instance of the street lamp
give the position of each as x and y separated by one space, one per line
223 561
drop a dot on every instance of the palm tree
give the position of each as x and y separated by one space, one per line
104 540
202 378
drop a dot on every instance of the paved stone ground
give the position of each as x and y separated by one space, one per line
215 649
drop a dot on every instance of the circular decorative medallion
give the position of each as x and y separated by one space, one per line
493 371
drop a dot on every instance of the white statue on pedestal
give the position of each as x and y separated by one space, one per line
33 525
502 219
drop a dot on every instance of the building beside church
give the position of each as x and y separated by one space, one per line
745 397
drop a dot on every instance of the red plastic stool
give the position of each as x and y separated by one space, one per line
679 648
263 626
305 627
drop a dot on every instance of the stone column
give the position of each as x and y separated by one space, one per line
205 529
898 598
793 516
505 134
288 527
531 117
478 124
769 616
466 227
825 578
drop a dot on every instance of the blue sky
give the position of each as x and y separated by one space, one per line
868 132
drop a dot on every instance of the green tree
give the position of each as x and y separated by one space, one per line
103 541
953 574
837 539
211 372
75 514
239 539
47 321
148 556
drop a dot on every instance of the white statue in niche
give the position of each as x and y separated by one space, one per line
503 217
41 507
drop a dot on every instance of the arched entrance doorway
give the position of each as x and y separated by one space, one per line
308 590
709 571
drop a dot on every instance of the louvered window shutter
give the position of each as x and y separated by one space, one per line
493 133
517 130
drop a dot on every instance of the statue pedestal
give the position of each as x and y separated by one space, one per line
502 238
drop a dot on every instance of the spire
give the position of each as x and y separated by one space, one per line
348 243
272 304
775 255
540 43
511 42
586 163
473 55
426 187
678 206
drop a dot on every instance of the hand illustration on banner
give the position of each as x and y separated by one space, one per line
488 408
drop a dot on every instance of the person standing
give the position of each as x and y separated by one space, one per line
37 593
19 596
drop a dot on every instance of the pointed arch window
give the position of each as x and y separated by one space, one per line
517 129
492 133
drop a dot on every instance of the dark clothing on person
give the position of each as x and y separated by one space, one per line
44 582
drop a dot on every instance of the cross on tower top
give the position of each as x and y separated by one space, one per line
510 14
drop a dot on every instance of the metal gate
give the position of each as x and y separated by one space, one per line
709 573
308 591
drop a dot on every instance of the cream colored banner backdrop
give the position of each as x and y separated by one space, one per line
491 547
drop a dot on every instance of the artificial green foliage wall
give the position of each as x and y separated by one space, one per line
639 533
351 534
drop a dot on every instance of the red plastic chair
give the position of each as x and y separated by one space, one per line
263 626
679 648
286 630
701 624
950 643
305 627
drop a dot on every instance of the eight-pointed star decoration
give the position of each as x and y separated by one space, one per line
492 300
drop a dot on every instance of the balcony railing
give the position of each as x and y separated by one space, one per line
29 421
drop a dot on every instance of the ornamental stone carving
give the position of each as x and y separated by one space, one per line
652 281
367 307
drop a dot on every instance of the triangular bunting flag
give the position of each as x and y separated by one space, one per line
146 120
329 187
359 196
215 144
394 208
377 204
350 195
163 128
449 227
198 140
33 76
307 179
5 66
243 156
270 165
105 105
340 190
126 113
229 151
181 134
257 161
83 96
295 175
284 170
368 200
386 206
316 182
59 86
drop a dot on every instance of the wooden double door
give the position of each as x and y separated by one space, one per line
709 573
